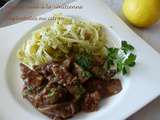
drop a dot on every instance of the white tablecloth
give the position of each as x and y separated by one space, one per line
150 35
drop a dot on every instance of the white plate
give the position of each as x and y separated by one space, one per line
139 88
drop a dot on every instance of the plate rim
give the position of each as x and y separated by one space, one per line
119 24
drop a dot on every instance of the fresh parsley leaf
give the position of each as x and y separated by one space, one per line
130 61
125 69
84 60
121 58
123 64
112 52
119 64
126 47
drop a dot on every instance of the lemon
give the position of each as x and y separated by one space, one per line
142 13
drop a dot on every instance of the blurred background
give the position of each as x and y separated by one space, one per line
22 8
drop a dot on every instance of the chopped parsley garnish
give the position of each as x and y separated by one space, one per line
84 60
51 93
112 55
27 91
121 58
30 88
86 74
79 90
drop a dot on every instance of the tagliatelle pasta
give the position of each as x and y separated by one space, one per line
58 40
